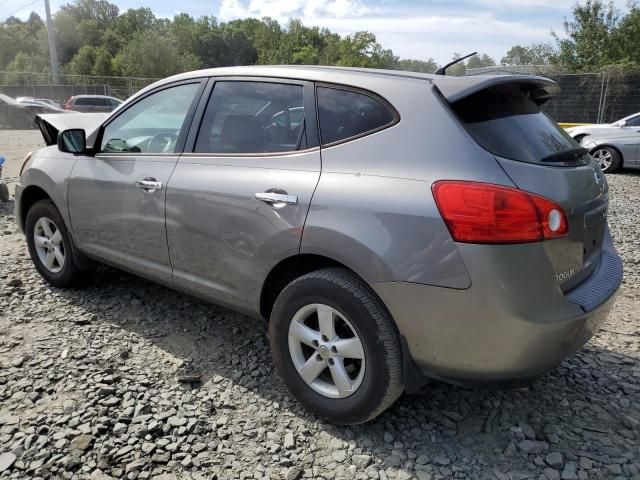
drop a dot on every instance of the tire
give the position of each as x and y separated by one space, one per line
608 158
375 381
63 273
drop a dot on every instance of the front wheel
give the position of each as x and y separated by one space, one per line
50 246
608 158
336 346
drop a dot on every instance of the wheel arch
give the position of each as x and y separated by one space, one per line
288 270
31 195
608 145
295 266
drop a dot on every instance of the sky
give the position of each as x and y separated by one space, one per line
418 29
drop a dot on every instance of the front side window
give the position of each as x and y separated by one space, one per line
253 117
344 114
153 124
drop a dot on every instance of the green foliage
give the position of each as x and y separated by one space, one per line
94 38
142 57
599 37
536 54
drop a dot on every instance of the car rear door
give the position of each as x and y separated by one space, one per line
237 202
117 196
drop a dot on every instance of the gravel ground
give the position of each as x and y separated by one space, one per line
94 383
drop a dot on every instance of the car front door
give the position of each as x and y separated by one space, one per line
237 203
117 196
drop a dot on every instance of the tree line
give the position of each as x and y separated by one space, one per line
93 37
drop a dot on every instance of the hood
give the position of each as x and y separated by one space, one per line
607 136
51 124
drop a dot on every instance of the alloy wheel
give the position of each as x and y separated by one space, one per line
49 246
603 157
326 351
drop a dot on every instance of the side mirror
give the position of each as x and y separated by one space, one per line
622 123
72 141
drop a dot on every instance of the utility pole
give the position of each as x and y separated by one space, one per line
52 43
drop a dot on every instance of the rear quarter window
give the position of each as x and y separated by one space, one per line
345 114
509 124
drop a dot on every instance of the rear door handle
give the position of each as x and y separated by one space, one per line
277 199
149 184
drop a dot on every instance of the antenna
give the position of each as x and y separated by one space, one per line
442 70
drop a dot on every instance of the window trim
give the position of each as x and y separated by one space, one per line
375 96
311 119
184 129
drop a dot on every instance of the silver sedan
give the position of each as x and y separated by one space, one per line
615 150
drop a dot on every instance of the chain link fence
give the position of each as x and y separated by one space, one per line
585 98
43 85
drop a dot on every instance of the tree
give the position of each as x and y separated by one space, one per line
536 54
480 61
589 44
428 66
141 57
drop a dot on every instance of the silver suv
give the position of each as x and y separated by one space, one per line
390 226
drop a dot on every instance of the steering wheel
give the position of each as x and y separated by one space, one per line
162 142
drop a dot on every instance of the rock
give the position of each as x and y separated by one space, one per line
18 361
339 455
8 419
388 437
6 460
551 474
80 443
289 441
569 472
554 460
441 461
361 461
403 475
532 447
176 421
14 282
72 462
294 473
422 475
161 457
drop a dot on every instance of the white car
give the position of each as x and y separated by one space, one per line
630 122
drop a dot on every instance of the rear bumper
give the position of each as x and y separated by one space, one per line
507 328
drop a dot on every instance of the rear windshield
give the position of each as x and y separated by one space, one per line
506 122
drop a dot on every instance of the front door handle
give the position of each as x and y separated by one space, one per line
276 199
149 184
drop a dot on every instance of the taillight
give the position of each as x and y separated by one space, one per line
485 213
67 105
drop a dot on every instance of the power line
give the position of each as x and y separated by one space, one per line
21 8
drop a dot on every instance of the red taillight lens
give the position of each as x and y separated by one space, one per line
67 105
486 213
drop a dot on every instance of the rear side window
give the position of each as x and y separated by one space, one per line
253 117
509 124
345 114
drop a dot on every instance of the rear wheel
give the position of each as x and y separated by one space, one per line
50 246
608 158
336 346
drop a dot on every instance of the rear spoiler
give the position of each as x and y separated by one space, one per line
50 124
453 89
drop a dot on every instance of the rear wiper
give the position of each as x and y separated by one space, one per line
565 155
